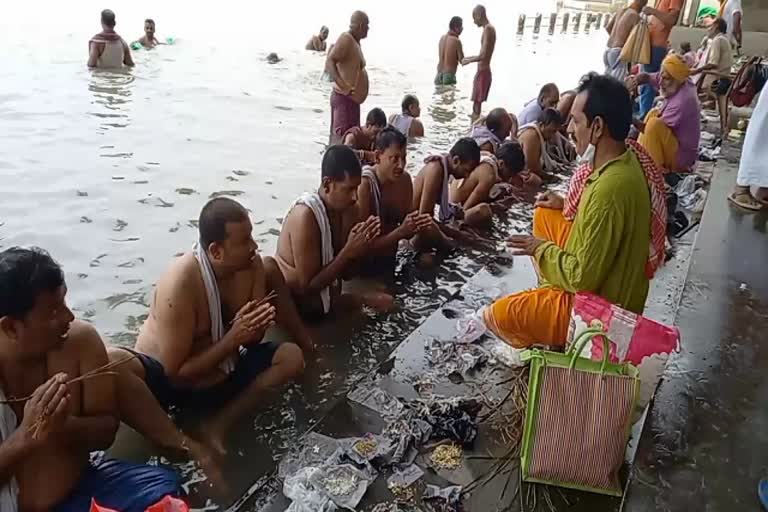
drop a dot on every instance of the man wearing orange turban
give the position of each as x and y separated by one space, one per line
671 131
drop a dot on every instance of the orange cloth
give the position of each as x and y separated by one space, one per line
542 315
660 142
658 31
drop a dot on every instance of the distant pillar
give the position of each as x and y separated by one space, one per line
599 22
521 24
577 21
537 23
552 22
566 19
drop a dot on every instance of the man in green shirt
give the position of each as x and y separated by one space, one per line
605 249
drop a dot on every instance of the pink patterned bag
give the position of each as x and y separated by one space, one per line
633 338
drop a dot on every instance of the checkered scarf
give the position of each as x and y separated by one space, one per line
655 181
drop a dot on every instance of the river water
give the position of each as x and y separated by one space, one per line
108 170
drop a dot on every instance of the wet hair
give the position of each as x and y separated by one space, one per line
547 89
550 116
376 117
408 101
215 216
467 150
607 98
24 275
108 18
149 20
721 24
389 137
340 162
496 119
511 153
455 23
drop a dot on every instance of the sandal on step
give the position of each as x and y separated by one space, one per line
746 201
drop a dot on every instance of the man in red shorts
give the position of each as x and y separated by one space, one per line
482 83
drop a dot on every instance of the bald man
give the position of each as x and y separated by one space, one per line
482 83
346 67
318 43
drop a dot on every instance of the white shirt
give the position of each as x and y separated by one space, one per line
731 8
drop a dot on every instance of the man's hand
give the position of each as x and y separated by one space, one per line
47 410
550 200
631 82
360 236
251 322
524 245
650 11
413 223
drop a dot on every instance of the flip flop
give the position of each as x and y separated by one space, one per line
762 492
746 201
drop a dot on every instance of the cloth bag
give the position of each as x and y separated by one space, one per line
633 338
637 49
578 418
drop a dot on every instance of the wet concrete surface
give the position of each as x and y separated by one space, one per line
705 444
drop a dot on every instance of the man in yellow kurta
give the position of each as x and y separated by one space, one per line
606 248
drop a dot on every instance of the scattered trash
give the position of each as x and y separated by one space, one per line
504 353
447 456
743 286
448 499
453 418
454 358
386 507
344 484
470 328
305 498
406 477
377 400
408 435
316 450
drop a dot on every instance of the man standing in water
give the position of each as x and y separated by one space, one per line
107 49
482 84
318 42
206 341
346 66
450 53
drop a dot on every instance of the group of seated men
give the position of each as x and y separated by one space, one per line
211 340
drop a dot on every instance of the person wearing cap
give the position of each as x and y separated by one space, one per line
671 131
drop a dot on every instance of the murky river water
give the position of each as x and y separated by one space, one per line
108 170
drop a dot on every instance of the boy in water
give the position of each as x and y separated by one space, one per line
148 40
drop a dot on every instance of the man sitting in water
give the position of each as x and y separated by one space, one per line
491 132
535 137
450 53
495 177
321 239
318 43
148 40
107 49
362 138
430 190
385 192
46 439
206 341
549 97
407 121
671 132
606 237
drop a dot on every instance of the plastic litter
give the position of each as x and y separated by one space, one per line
305 497
406 477
344 484
316 450
377 400
471 328
408 435
452 418
447 499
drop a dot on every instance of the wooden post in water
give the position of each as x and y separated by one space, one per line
537 24
599 22
566 19
521 24
552 22
577 21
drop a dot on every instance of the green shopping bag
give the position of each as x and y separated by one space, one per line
578 418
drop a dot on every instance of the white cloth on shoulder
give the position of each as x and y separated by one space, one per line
370 173
402 123
447 210
9 493
481 134
315 203
614 66
548 164
214 303
753 170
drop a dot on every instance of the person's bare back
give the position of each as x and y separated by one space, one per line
621 29
451 53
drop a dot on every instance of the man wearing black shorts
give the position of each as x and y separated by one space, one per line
203 343
716 71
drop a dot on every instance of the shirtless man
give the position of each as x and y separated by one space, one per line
496 176
450 53
107 49
483 77
362 139
534 138
148 40
619 28
206 342
385 192
430 189
346 67
45 465
318 43
321 238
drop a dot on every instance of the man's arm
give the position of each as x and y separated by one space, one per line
337 54
95 426
610 25
484 47
459 50
532 151
127 58
93 54
13 451
482 191
737 28
287 314
417 129
596 238
430 191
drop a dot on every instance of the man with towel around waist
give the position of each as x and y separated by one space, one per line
482 84
46 440
321 240
107 49
346 67
203 343
385 192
